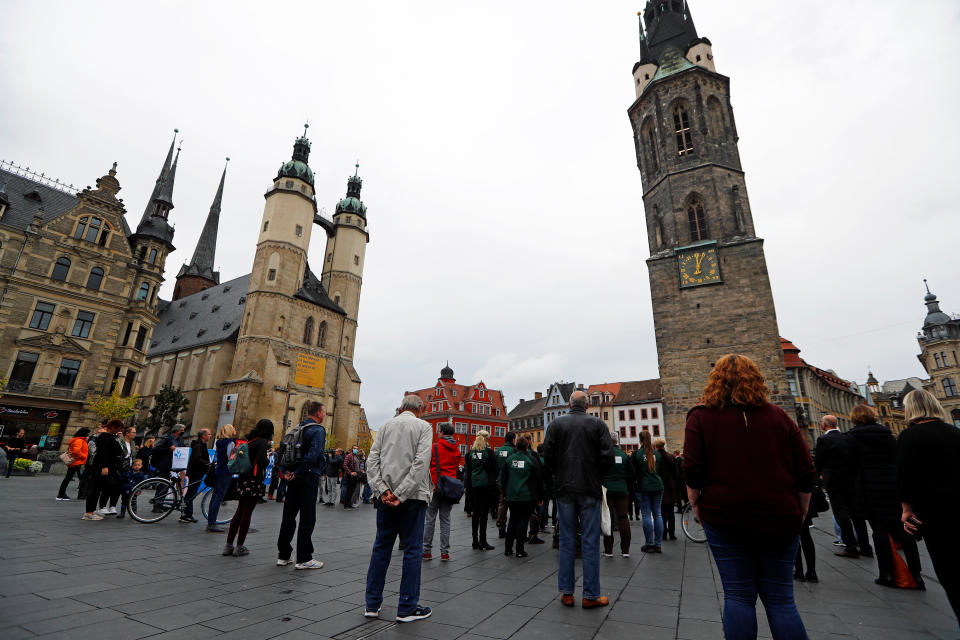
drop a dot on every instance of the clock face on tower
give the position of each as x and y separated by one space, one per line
698 265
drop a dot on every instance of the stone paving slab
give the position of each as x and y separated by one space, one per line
66 578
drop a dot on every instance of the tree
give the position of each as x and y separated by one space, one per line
169 403
365 443
332 442
113 406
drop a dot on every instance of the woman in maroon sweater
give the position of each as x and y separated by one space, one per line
749 476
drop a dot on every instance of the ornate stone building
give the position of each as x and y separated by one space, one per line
264 344
939 341
888 400
78 296
708 275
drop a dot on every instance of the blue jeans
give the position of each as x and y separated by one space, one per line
405 520
748 569
219 490
652 516
589 511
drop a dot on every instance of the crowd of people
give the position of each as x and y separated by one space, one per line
746 471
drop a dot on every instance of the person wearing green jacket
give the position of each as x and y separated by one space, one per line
503 453
646 468
521 481
480 480
619 485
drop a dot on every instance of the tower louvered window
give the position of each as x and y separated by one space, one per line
698 221
681 128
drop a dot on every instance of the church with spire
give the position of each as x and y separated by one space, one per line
265 343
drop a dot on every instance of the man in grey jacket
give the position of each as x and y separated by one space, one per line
398 471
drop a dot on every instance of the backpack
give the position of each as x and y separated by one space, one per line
291 449
239 462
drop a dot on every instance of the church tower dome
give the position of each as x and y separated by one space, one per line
296 166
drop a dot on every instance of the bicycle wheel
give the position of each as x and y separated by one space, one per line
227 508
152 500
692 527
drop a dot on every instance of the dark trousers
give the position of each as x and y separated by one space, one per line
617 504
99 485
853 531
945 555
241 520
112 493
301 500
884 550
349 487
517 526
502 512
71 471
479 499
669 520
807 549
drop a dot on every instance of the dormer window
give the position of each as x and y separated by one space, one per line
92 229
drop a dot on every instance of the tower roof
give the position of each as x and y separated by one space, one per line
934 314
352 203
446 373
296 166
205 253
668 24
154 221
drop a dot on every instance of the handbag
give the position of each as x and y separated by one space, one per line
819 500
449 489
66 458
211 476
605 524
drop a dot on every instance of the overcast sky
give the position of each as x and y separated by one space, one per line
505 210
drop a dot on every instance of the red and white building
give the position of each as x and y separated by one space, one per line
470 409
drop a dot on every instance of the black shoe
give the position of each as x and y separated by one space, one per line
486 547
866 554
503 533
417 614
214 528
556 543
535 540
476 545
187 519
886 582
508 552
522 554
920 585
811 576
798 576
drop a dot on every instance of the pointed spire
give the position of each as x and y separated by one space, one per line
158 186
202 263
166 189
154 222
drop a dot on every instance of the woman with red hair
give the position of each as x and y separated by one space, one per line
749 476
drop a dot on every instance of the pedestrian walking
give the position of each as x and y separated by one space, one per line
807 549
301 469
875 493
105 467
928 483
620 489
443 462
752 459
250 485
77 450
197 465
579 452
128 449
162 456
223 446
331 478
671 489
834 463
504 452
647 463
351 473
480 480
398 470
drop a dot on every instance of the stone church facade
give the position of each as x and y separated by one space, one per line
708 276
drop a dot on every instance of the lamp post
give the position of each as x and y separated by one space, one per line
286 411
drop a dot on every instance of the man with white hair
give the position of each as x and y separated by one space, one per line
398 471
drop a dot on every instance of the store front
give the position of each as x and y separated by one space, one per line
43 427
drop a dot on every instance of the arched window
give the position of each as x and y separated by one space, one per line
308 331
681 129
649 139
698 221
153 256
322 334
144 291
95 279
61 269
950 387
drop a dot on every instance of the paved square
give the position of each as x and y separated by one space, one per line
66 578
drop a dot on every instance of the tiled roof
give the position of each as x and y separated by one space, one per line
464 394
792 360
526 408
207 317
313 291
639 391
607 387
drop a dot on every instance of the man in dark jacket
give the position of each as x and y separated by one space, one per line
834 461
331 478
197 466
162 458
303 484
351 475
578 450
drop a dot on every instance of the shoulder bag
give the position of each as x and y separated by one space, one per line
450 489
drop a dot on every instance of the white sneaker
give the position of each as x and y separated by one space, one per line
92 516
626 555
282 563
371 614
102 512
112 511
608 555
309 564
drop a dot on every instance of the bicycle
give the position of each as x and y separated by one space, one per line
691 525
154 499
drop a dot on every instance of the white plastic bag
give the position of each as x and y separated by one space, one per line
605 516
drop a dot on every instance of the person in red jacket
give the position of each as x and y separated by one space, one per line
79 450
445 459
749 476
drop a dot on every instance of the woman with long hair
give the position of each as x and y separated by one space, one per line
480 480
223 445
749 477
928 484
250 487
646 462
78 450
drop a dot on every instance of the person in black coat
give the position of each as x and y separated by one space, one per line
105 467
928 479
874 455
832 457
197 465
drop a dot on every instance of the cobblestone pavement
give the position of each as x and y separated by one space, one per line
66 578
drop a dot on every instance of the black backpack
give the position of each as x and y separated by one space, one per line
291 450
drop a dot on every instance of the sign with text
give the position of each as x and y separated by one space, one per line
311 370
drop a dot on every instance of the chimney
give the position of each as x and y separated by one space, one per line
522 400
537 395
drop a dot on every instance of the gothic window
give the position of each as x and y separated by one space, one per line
42 315
681 129
950 387
61 269
308 331
698 221
143 292
322 334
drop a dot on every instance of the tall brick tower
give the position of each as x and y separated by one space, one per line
708 275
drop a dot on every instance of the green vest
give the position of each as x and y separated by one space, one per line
480 463
619 473
503 453
519 475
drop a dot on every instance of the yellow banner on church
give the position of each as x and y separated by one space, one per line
311 370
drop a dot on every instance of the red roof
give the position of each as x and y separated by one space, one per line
792 360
